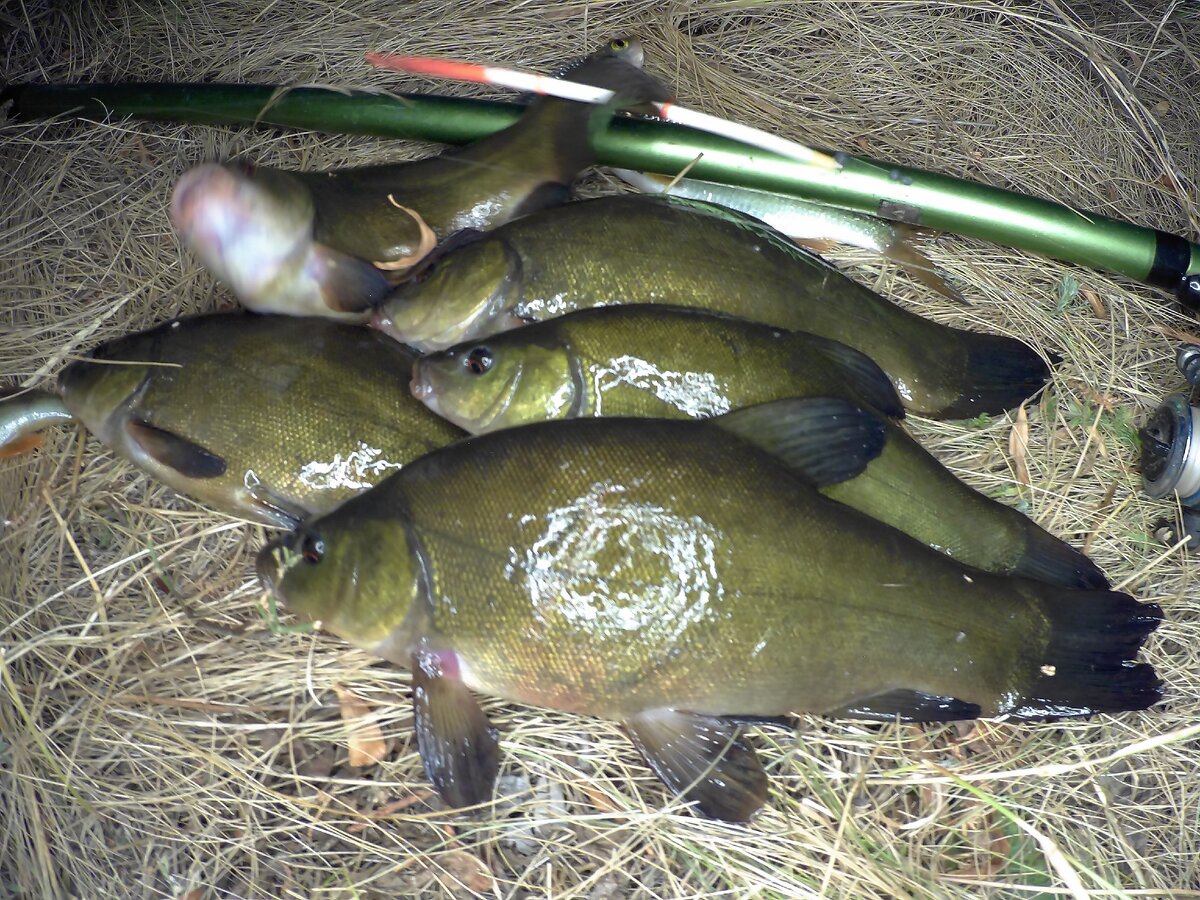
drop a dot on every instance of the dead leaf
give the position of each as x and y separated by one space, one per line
1098 307
459 868
598 798
1176 334
363 734
993 849
1018 445
1161 108
193 894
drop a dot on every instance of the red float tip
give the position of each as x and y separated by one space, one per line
428 65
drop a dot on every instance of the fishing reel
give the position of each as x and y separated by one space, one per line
1171 453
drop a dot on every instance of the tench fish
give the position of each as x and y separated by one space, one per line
669 575
672 362
270 418
659 249
816 226
320 243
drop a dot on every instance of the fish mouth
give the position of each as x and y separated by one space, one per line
197 193
421 385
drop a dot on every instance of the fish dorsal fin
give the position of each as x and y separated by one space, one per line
909 706
822 439
169 449
457 743
702 758
870 383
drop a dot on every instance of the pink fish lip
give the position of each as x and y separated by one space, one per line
419 386
380 321
195 187
204 208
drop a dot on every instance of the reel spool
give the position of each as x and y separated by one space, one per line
1171 451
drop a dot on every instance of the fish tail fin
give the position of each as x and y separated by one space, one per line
568 129
1089 664
918 266
1001 373
1053 561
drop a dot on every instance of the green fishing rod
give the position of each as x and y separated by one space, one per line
891 192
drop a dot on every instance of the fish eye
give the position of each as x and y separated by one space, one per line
618 44
312 549
478 360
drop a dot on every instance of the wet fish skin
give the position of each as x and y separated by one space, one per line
330 243
641 361
655 249
652 361
271 418
24 415
666 574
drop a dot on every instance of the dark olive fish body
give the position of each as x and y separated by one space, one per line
652 361
663 250
267 417
526 167
324 243
638 569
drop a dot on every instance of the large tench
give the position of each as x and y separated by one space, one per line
321 243
660 249
667 574
671 362
271 418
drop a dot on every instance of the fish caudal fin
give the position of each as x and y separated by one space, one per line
1089 664
869 382
702 758
1053 561
918 266
822 439
1001 373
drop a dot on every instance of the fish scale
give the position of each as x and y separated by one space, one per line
607 569
638 249
313 410
671 574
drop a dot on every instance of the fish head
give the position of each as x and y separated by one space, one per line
465 292
346 573
526 375
100 389
627 49
251 227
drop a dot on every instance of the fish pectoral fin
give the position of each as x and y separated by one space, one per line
346 283
169 449
457 743
909 706
816 245
26 443
870 382
702 758
272 505
822 439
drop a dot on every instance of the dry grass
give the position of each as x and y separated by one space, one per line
158 739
